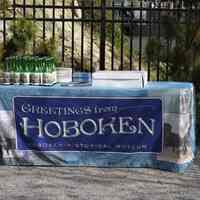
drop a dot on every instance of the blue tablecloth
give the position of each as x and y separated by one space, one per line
178 114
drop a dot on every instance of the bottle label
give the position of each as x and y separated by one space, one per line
1 78
25 78
35 78
16 78
47 78
54 74
7 77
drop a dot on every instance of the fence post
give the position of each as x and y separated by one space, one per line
103 35
4 27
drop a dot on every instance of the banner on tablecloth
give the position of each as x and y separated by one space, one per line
99 124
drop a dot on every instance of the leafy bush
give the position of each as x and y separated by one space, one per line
4 5
22 32
48 48
178 51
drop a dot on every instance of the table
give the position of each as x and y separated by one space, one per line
174 152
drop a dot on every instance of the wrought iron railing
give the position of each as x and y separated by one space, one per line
133 23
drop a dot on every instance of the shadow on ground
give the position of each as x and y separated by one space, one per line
42 183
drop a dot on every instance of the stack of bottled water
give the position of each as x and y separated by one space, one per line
29 70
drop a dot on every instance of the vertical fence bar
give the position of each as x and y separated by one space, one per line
113 36
168 45
122 36
149 37
14 9
103 35
44 24
158 36
24 15
131 38
140 37
24 8
82 35
63 30
197 21
196 14
176 15
191 21
72 56
178 5
91 36
34 20
4 28
53 23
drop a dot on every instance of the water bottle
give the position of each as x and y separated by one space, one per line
54 74
16 70
49 74
7 72
1 73
36 73
25 73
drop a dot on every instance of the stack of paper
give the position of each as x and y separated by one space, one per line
135 79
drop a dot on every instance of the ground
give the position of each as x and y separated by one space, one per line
41 183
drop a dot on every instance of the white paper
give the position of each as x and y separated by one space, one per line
137 79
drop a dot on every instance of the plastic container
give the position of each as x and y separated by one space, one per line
63 74
82 77
135 79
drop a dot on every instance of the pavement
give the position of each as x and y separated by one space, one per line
63 183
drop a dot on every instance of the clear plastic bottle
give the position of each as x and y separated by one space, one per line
54 74
25 73
47 71
7 72
36 74
16 69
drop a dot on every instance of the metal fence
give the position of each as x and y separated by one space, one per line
133 23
